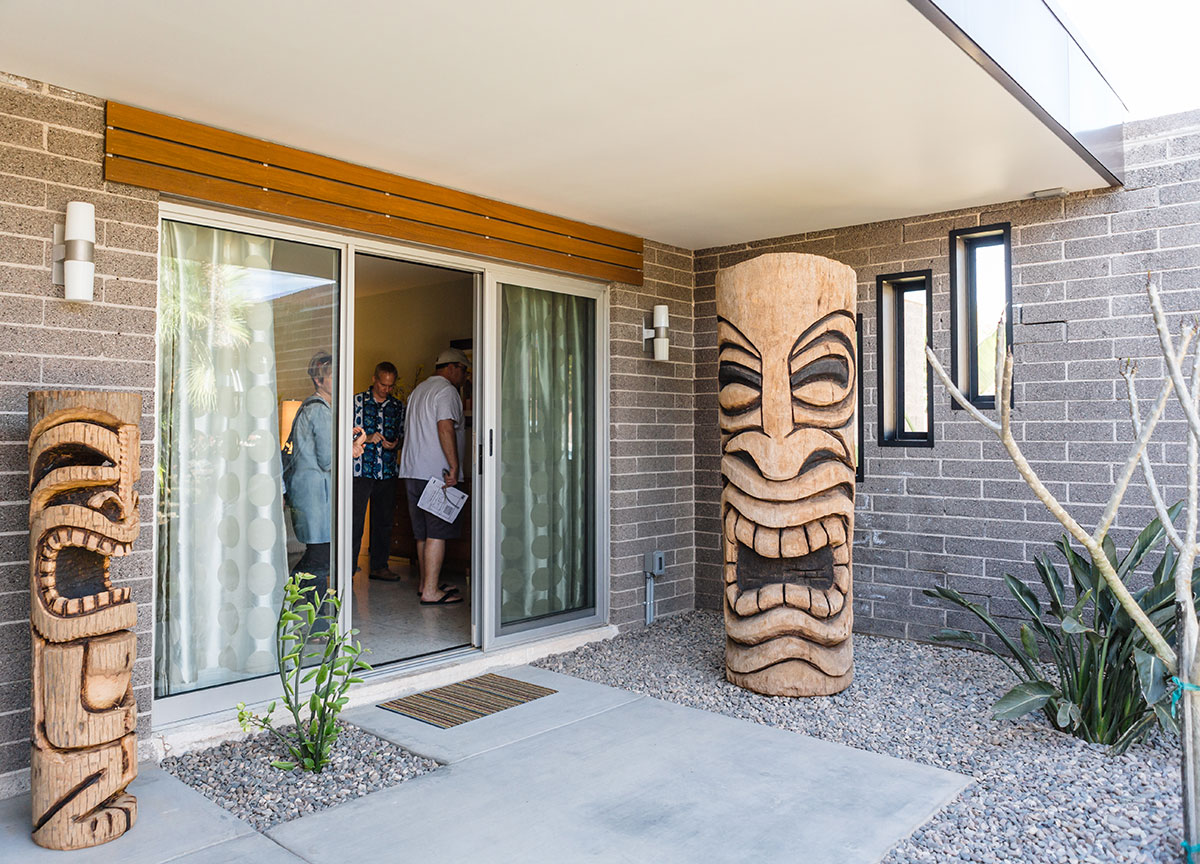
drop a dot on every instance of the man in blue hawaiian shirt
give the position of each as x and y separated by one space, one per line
381 417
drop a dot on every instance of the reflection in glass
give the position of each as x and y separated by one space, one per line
916 379
987 270
547 491
242 320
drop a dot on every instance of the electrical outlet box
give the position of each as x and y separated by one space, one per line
656 563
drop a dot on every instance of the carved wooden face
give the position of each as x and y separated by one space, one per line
83 510
787 382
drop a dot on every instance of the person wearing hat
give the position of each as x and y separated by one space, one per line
432 443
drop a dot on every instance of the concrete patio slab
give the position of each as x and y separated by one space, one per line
645 780
173 821
575 700
255 849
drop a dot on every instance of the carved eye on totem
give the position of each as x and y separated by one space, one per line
740 385
822 370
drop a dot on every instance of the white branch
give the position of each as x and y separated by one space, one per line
1136 454
1174 371
1187 556
1128 371
961 399
1003 431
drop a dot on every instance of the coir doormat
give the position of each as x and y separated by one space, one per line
467 700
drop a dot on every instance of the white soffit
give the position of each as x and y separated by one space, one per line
698 122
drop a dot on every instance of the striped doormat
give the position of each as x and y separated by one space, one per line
467 700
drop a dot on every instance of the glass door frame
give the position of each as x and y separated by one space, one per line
184 706
489 275
494 636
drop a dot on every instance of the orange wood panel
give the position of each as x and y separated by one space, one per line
172 155
218 140
197 186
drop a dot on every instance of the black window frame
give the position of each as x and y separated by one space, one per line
964 358
890 431
861 420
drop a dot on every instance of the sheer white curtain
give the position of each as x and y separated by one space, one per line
547 491
221 543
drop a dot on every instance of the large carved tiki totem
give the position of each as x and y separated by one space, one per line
83 462
788 377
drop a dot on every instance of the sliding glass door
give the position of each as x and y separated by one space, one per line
248 365
547 497
255 405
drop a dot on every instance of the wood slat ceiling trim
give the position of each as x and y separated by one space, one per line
191 160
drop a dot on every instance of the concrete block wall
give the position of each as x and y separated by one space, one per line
51 152
958 514
652 440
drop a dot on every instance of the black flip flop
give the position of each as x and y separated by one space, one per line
447 599
445 588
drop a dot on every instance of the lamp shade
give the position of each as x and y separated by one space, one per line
288 409
661 318
79 268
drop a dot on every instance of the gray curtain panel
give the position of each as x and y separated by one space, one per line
547 487
221 537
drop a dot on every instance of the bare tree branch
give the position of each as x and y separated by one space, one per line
1128 372
1174 370
1136 452
1003 431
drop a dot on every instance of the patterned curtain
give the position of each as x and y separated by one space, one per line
547 488
221 537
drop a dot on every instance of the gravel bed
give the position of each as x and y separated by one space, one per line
1038 795
238 775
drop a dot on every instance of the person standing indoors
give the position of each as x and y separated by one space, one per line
381 417
431 448
308 473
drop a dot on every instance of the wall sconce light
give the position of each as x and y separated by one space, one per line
74 264
658 333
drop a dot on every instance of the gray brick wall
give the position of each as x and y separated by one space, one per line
958 514
653 440
51 152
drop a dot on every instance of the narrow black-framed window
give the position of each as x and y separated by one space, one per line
904 326
860 418
980 293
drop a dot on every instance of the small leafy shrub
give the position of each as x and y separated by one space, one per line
1110 689
307 620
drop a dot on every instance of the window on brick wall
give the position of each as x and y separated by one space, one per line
859 418
980 293
904 308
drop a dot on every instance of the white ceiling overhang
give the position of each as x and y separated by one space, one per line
697 123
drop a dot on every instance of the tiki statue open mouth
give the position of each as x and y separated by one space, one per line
787 381
84 459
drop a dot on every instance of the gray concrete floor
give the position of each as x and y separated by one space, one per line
588 773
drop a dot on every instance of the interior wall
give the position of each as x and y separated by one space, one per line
409 327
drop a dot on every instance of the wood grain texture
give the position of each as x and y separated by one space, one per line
787 379
84 460
191 160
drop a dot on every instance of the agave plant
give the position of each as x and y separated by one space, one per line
1105 686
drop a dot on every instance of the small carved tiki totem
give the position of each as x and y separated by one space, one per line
83 461
788 377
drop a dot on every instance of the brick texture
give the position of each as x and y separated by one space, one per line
51 152
957 514
652 440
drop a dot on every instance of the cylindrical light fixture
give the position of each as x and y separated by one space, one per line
74 252
658 333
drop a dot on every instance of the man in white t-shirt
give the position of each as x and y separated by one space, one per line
432 441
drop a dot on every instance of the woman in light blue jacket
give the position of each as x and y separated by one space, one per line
310 480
